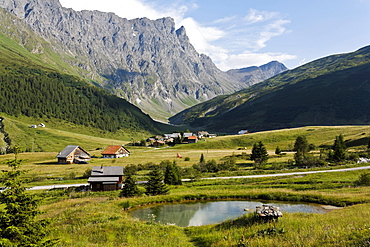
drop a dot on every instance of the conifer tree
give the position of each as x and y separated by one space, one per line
259 153
18 223
130 188
172 174
202 159
277 150
155 185
339 149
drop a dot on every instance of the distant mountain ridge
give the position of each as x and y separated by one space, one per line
147 62
334 90
256 74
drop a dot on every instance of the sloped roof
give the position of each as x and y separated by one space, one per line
192 137
68 150
113 149
101 171
102 179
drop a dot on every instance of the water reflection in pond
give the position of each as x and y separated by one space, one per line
204 213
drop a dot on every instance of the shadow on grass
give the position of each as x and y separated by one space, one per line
50 163
203 237
246 220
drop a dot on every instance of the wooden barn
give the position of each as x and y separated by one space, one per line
73 154
113 151
191 139
106 178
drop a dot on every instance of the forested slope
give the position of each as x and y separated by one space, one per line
29 87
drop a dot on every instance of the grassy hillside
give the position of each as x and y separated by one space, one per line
33 83
23 45
330 91
320 136
58 134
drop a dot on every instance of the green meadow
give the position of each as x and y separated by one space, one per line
103 218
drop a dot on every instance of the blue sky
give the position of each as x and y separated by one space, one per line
243 33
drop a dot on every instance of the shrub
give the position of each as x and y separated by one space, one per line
87 173
363 180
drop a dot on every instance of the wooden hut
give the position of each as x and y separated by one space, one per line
73 154
106 178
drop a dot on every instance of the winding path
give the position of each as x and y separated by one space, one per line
48 187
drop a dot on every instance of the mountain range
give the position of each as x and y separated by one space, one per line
334 90
66 64
149 63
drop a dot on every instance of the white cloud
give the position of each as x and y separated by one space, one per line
201 37
255 16
271 30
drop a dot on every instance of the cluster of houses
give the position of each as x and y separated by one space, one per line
177 138
108 178
74 154
103 178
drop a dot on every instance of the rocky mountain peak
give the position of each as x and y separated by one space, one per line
255 74
147 62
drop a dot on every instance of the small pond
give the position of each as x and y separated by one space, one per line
212 212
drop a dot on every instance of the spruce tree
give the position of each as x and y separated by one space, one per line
18 223
155 185
259 153
339 149
130 188
277 150
202 159
172 174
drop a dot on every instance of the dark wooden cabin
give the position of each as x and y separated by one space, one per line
106 178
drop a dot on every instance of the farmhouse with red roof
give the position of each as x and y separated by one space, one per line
115 151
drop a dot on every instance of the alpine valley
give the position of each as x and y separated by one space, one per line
334 90
57 62
147 62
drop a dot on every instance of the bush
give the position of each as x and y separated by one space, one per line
187 159
87 173
363 180
71 176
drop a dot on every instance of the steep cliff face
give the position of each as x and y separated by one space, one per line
147 62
